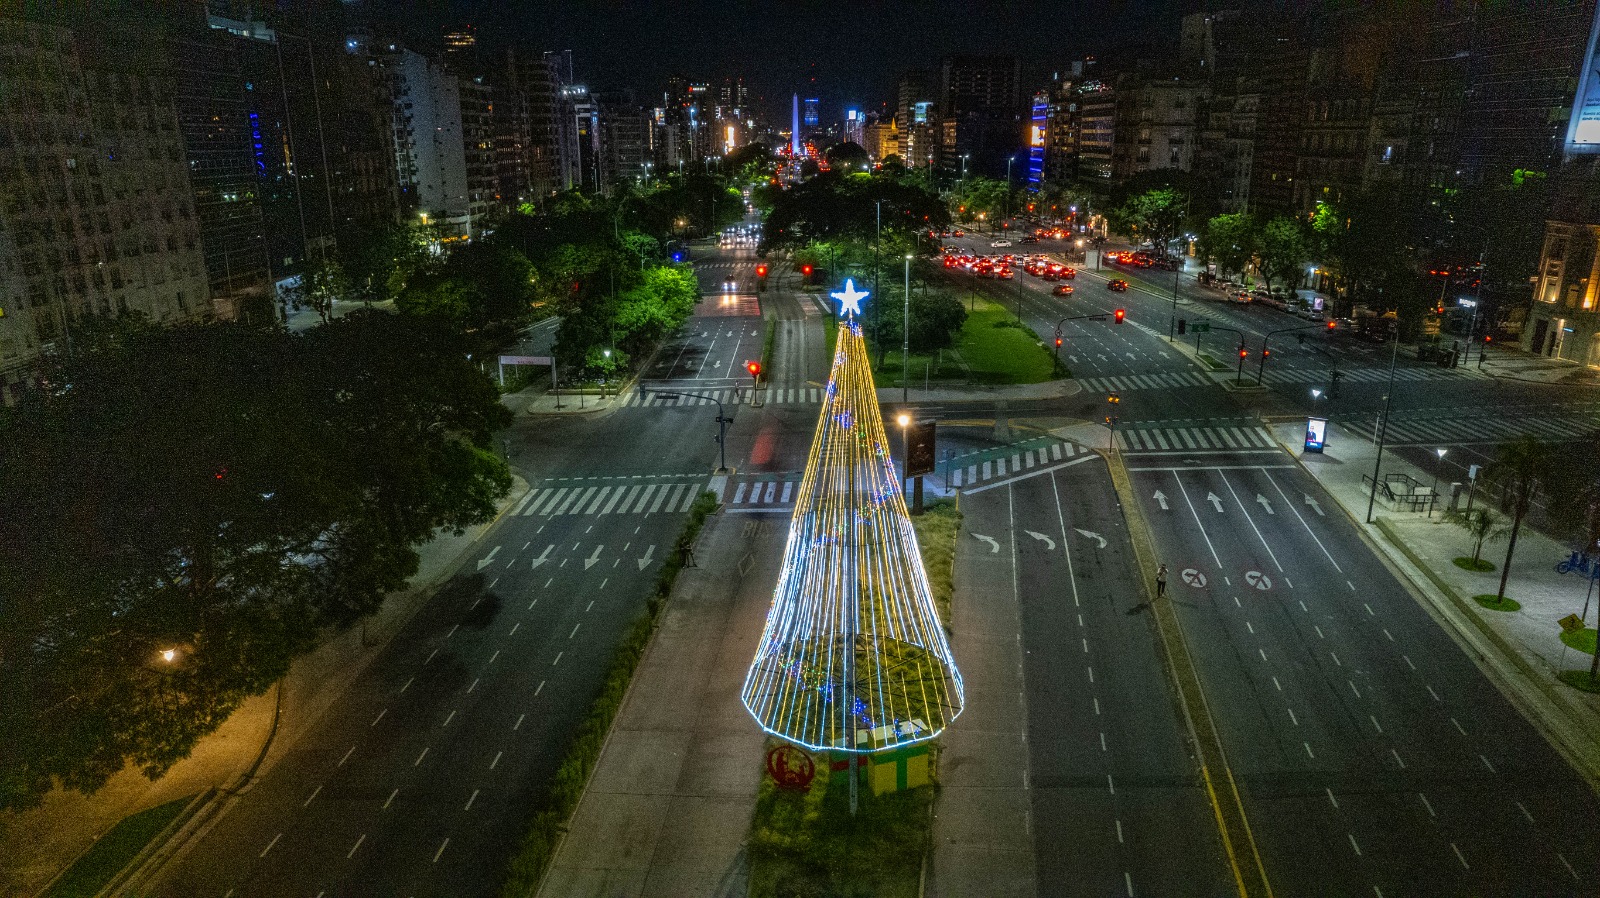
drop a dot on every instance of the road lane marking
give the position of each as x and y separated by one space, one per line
496 762
352 852
558 659
590 606
1119 831
1301 601
1408 662
470 688
1331 800
1319 631
408 684
1374 719
1127 879
442 846
452 631
1561 857
1523 810
1458 726
1370 612
1086 646
318 789
1397 759
1427 804
574 629
430 656
1097 707
518 724
470 800
1111 784
1351 585
518 624
474 603
1250 627
1247 517
347 756
1335 657
1352 837
270 844
1103 741
1263 654
1091 672
1434 694
390 799
1353 688
379 717
1460 857
1197 522
1309 753
1303 523
1386 634
538 690
1277 684
1292 719
1487 764
424 754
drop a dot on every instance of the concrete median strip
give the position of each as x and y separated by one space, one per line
1238 842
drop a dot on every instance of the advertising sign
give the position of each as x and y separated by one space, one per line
920 449
1316 434
1583 127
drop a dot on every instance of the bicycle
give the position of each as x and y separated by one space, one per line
1578 561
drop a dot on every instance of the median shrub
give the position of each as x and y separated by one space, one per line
549 821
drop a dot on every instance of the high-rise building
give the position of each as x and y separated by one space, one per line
625 137
96 214
853 122
1155 125
982 96
430 152
533 80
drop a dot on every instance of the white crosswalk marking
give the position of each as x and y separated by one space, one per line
689 496
738 493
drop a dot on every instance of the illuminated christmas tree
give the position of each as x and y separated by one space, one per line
853 656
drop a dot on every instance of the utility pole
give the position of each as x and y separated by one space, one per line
1383 426
905 341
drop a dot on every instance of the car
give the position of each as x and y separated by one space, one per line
1030 240
1069 273
1006 274
730 286
1242 296
1000 243
1117 285
1062 290
958 233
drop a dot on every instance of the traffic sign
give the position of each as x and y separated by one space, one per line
1193 578
1571 623
1258 580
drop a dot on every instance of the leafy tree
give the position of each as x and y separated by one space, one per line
1155 215
1283 249
848 156
1230 240
1522 470
1481 524
225 492
936 321
322 282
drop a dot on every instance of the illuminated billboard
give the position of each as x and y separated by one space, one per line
1583 128
920 112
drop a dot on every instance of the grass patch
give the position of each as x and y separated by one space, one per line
115 850
1481 566
1579 679
936 536
806 844
992 348
1211 363
1493 603
551 813
1582 640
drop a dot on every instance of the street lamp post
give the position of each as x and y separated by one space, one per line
1172 323
1434 490
1383 426
905 341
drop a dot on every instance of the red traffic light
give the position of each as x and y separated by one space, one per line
761 270
1243 353
805 270
1121 313
1058 342
754 368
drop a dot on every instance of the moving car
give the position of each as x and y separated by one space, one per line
1001 243
1062 290
1117 285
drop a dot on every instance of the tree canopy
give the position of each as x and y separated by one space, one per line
227 494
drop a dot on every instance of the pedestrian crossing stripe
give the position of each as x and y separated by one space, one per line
1478 430
635 498
768 492
1219 438
1011 464
1172 380
770 396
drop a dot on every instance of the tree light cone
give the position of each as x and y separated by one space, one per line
853 656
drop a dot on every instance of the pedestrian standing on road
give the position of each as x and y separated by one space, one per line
1161 581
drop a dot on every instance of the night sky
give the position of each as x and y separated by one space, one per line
853 51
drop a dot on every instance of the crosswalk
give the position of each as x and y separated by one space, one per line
1216 438
612 498
977 468
770 396
723 266
762 494
1478 429
1171 380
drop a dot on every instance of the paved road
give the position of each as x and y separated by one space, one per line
1117 805
1373 756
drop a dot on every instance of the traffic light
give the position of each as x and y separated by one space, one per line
754 368
1265 352
1113 399
761 270
1058 342
1121 313
1183 326
1332 325
1244 353
805 270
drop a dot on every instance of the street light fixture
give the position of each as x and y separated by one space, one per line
1434 490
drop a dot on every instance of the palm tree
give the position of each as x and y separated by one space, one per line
1482 525
1522 469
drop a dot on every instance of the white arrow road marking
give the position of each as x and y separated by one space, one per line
590 561
994 547
645 561
1042 538
1258 580
1162 498
1215 500
486 560
1193 577
1265 503
541 559
1090 534
1315 505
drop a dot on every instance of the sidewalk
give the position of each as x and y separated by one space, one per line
38 845
1521 651
669 804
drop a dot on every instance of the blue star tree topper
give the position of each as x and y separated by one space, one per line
850 299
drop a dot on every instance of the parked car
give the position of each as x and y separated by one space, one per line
1117 285
1062 290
